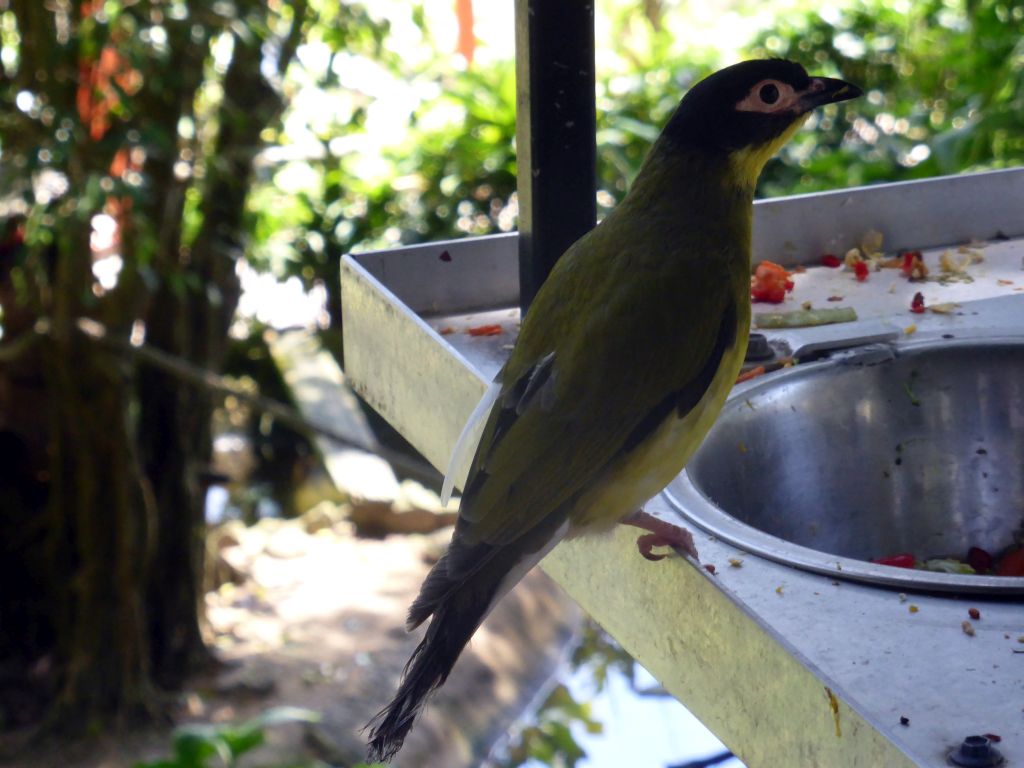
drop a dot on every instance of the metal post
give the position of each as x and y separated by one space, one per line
556 126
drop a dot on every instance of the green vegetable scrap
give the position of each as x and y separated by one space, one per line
804 318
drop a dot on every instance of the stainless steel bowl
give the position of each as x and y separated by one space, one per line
910 447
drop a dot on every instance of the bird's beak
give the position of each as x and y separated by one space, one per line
827 90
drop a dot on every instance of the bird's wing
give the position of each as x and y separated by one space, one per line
556 428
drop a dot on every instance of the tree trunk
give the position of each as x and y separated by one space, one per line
102 519
176 422
170 435
97 537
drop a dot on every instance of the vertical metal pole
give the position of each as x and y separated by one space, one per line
556 126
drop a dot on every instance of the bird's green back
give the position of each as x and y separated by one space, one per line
625 327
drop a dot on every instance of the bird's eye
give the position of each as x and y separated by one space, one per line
768 97
769 93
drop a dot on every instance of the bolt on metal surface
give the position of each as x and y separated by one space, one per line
976 752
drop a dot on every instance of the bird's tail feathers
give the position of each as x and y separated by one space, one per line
456 617
436 587
457 567
459 592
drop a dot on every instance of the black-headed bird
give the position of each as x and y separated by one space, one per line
622 364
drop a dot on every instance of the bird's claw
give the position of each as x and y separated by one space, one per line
649 541
661 533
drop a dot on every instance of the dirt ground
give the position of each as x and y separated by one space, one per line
315 621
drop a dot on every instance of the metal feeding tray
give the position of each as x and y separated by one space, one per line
907 447
787 662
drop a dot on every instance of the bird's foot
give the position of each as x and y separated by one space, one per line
661 533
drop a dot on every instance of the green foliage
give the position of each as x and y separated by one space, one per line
452 174
600 656
549 738
196 745
944 95
944 83
638 87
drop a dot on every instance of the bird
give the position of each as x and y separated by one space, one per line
622 363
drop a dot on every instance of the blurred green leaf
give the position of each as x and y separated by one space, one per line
194 745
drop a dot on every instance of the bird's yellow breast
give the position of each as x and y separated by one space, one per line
649 467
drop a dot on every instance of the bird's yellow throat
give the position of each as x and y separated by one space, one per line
747 163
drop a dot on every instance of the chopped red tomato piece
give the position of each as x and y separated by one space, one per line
913 267
908 262
830 260
917 304
902 560
485 330
770 283
860 271
1012 563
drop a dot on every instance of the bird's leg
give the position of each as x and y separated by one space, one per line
661 533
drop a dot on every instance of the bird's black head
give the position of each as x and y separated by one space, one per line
754 106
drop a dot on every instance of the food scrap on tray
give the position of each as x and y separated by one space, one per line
771 282
913 267
869 257
804 318
753 373
953 266
866 257
774 284
977 563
